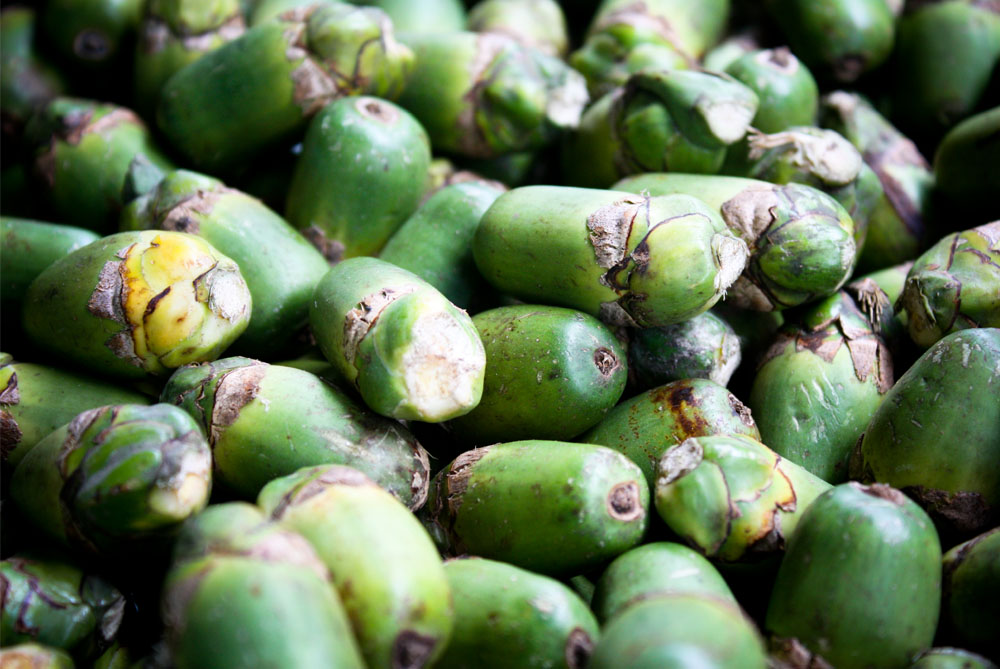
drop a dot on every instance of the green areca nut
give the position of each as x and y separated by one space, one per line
116 476
966 170
703 347
264 421
970 590
536 23
801 240
139 303
506 616
411 353
91 34
280 267
487 502
428 16
357 145
551 373
786 91
28 247
35 656
26 81
383 564
626 259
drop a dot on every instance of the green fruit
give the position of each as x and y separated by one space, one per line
971 588
787 93
704 347
29 247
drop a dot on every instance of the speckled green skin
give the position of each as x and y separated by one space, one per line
840 40
785 88
971 589
265 421
26 81
801 240
91 33
360 176
624 258
435 243
818 386
966 169
56 603
552 507
551 373
680 631
935 434
506 617
383 564
955 285
28 247
36 400
35 655
280 267
945 55
860 584
951 658
99 483
416 320
654 569
645 426
703 347
85 149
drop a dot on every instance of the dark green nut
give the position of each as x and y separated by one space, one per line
548 506
966 169
785 88
91 35
26 81
551 373
971 589
703 347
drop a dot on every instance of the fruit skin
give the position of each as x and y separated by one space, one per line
645 426
26 80
551 373
91 36
35 656
786 90
35 400
538 24
855 546
357 145
624 258
410 352
383 564
488 502
265 421
954 285
673 631
506 616
653 569
970 591
27 247
703 347
950 658
139 303
965 167
280 267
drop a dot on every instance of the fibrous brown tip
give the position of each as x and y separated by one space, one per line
882 491
10 434
606 361
623 502
412 650
376 109
579 647
741 410
965 512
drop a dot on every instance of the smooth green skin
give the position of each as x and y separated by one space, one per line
703 22
91 33
229 527
590 154
281 268
944 59
951 658
435 243
246 613
839 40
47 399
293 420
534 244
428 16
806 251
27 247
704 347
57 604
380 366
654 569
965 164
35 655
937 426
360 176
56 314
786 90
98 483
192 17
383 564
551 373
539 24
26 81
680 631
729 50
83 176
971 589
539 505
860 583
510 617
645 426
738 501
955 285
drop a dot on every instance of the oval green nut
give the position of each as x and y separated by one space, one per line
645 426
860 583
786 90
966 169
970 590
411 353
28 247
653 569
511 617
383 564
552 507
629 260
551 373
264 421
703 347
357 145
91 35
139 303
